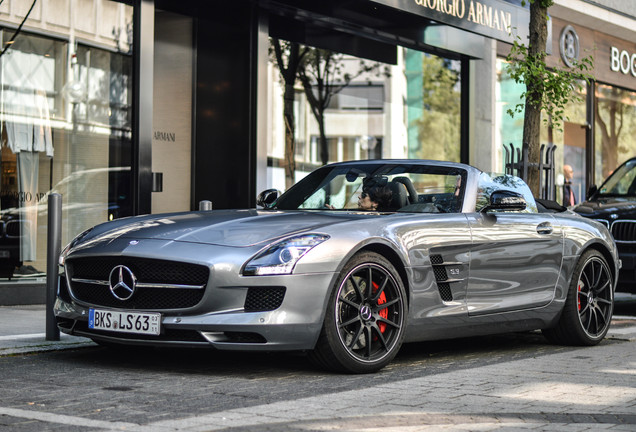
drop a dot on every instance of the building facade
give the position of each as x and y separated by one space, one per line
145 106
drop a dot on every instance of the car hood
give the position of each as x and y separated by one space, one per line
604 206
239 228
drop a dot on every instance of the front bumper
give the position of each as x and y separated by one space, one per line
295 325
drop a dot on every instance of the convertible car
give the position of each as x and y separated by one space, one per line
450 252
614 204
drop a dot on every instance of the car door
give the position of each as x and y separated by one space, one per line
515 259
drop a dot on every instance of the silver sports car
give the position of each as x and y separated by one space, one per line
348 264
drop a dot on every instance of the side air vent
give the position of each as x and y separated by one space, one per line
441 271
445 291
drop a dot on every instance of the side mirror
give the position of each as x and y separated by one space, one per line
591 191
503 200
267 197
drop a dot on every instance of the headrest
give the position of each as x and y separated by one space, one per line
413 196
399 196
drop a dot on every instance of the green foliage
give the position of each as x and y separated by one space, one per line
547 89
543 3
438 125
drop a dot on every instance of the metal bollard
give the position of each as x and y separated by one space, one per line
205 205
53 246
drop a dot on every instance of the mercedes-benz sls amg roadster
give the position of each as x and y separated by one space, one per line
447 251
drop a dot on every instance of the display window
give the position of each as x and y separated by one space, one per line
615 129
570 137
65 118
345 107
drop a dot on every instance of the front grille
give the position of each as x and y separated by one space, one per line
436 259
260 299
14 227
147 271
624 231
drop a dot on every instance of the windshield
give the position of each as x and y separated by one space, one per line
621 182
378 187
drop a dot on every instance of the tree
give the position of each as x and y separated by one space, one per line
289 59
547 90
324 75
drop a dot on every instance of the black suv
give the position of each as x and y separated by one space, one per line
614 204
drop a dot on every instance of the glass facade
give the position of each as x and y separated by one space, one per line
433 105
614 138
66 119
570 138
374 110
615 129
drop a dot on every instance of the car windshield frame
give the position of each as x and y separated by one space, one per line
356 178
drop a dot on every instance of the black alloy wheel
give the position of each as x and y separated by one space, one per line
587 313
366 316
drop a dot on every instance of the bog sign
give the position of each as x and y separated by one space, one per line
623 61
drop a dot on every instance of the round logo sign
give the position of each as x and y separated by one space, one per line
569 45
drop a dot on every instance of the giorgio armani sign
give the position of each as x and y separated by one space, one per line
496 19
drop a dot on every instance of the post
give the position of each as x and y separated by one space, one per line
205 205
53 246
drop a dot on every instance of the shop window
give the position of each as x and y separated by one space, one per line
433 99
372 110
570 137
66 128
615 129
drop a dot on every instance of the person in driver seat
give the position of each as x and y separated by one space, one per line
374 198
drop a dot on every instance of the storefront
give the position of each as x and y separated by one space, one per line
145 106
599 132
66 125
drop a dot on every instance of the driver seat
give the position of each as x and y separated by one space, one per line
399 195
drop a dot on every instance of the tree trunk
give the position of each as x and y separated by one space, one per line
290 142
534 91
324 147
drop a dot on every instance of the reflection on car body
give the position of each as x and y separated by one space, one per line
456 252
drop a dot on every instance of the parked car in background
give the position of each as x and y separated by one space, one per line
614 204
451 252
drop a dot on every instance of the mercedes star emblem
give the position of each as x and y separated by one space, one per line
122 282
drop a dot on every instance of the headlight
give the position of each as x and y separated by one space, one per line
67 248
281 257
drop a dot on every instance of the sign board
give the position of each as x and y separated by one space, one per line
496 19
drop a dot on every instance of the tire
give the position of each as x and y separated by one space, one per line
588 308
365 318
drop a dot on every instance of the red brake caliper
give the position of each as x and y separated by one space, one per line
384 313
578 296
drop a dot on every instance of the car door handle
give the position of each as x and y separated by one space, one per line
545 228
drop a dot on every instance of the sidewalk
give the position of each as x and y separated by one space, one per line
23 330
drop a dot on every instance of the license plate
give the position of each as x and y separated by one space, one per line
124 322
